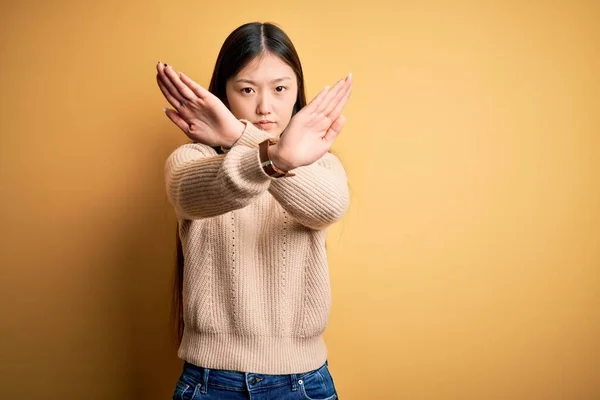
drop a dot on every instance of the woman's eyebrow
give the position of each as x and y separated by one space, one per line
254 83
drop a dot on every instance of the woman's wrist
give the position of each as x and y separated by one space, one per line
278 159
235 135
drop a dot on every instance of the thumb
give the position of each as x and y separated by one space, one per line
177 120
335 129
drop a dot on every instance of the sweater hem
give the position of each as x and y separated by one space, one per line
257 354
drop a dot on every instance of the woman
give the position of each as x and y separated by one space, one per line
253 207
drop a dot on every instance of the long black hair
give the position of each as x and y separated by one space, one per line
243 45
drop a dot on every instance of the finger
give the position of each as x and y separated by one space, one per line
314 103
172 100
335 129
177 120
339 96
181 87
168 85
341 103
331 95
195 87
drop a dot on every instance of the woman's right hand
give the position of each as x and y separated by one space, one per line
197 112
312 131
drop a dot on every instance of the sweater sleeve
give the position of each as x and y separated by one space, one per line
317 196
201 183
252 137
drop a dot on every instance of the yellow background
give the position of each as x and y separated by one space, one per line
468 264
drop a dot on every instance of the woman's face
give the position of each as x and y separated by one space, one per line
264 90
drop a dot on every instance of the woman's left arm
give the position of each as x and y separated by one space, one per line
317 196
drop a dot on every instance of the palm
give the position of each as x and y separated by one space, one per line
207 118
313 130
198 113
312 144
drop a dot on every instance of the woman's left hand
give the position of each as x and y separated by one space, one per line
197 112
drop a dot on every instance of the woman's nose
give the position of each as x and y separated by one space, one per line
264 105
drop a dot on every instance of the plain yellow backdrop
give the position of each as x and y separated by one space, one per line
468 266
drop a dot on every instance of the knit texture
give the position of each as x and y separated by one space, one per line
256 289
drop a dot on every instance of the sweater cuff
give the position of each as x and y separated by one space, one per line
252 135
250 170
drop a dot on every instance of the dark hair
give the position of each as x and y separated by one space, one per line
244 44
247 42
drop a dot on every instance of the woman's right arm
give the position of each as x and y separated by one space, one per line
201 183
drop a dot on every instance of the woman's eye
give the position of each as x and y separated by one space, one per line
247 90
280 87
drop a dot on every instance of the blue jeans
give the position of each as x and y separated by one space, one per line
198 383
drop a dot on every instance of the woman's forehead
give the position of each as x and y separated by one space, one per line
265 69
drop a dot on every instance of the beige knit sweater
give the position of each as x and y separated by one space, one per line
256 286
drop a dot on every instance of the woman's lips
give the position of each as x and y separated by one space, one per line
265 125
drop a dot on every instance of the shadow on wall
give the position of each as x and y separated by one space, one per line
147 253
140 249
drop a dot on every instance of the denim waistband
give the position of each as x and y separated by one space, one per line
241 381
